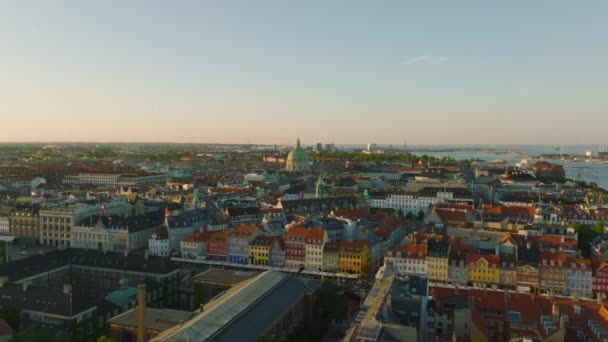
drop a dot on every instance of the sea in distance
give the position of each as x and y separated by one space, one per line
586 169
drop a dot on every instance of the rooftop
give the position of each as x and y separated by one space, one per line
245 312
156 319
223 277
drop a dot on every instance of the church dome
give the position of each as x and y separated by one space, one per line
297 154
297 159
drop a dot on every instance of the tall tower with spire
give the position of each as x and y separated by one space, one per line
320 188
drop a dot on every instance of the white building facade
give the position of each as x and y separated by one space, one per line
56 223
580 278
116 179
159 246
407 263
315 243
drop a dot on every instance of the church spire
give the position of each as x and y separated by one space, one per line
298 143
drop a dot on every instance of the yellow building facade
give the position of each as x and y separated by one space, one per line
259 251
483 269
353 257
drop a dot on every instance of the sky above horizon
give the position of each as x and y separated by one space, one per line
266 72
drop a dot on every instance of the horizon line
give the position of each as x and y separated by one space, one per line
283 144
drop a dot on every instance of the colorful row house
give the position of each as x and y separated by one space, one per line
330 257
238 244
409 260
267 251
295 247
600 280
315 241
553 272
528 268
457 268
304 248
579 277
217 246
437 260
508 271
483 269
195 246
353 257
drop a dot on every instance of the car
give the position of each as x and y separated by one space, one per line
24 253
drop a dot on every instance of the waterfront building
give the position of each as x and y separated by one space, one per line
408 260
195 246
267 251
237 248
353 257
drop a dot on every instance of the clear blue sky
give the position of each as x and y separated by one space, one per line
428 72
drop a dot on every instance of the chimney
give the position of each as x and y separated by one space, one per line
555 312
67 288
141 313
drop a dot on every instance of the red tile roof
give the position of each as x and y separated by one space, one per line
271 211
315 235
413 251
296 232
490 258
352 247
219 237
199 237
246 228
530 308
451 215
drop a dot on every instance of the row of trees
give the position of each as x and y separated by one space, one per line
331 308
586 234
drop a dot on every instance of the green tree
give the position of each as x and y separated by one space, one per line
586 234
268 338
599 228
409 215
400 212
105 339
12 317
420 215
332 302
199 294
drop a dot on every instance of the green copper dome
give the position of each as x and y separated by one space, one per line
298 154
